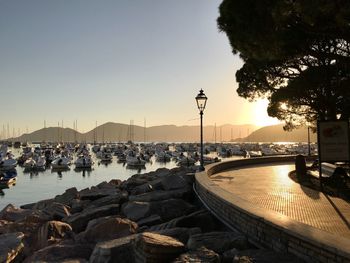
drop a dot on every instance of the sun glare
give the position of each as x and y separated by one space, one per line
260 114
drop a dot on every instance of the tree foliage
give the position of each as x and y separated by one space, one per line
295 52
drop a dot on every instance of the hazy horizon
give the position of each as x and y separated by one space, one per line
117 61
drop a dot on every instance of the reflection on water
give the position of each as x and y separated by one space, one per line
32 186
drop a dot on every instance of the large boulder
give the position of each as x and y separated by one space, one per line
166 209
264 255
136 210
180 233
176 181
79 205
107 228
79 221
50 233
160 195
67 197
95 192
115 250
117 198
61 253
149 221
200 255
171 208
202 219
132 183
218 241
151 247
11 246
12 213
42 204
57 211
27 226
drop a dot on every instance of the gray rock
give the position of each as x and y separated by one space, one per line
79 205
51 232
115 182
42 204
166 209
150 221
105 185
172 182
79 221
179 233
136 211
116 250
106 228
151 247
200 255
171 208
150 185
57 211
264 256
12 213
202 219
228 256
94 192
132 183
218 241
118 198
11 246
67 197
160 195
61 253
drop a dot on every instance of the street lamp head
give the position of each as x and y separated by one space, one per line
201 100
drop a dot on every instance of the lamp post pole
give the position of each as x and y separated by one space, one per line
308 140
201 100
202 162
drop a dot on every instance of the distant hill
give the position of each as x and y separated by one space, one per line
275 133
51 134
114 132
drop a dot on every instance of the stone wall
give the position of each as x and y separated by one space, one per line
267 228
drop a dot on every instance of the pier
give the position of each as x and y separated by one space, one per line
256 197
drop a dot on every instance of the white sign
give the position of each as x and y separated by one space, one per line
333 139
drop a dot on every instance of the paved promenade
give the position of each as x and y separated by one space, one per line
269 187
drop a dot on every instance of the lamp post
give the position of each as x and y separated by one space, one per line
201 100
308 140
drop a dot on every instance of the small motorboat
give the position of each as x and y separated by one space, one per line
8 177
7 163
133 161
106 157
186 161
83 162
61 163
35 163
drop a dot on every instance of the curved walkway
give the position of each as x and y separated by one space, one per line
269 187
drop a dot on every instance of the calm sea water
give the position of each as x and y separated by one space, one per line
32 187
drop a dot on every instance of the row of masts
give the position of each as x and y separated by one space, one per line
240 134
5 134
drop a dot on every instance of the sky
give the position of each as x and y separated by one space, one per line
113 60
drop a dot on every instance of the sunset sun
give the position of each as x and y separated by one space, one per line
261 118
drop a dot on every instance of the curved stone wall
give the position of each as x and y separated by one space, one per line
268 228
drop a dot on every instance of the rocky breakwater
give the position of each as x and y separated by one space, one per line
153 217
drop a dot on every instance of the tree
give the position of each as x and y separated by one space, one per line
296 53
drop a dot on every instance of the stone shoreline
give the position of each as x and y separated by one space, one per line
153 217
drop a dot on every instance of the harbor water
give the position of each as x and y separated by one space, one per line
35 186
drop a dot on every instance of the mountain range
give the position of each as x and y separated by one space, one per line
118 132
275 133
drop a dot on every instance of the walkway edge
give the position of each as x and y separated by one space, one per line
265 227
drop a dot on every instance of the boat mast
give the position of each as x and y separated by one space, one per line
95 133
144 130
